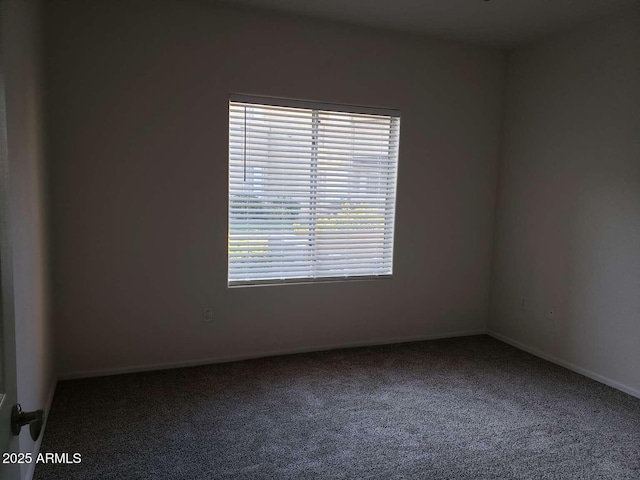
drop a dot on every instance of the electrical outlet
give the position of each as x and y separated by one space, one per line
207 314
551 314
524 304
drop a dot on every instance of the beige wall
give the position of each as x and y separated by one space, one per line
568 229
138 126
27 207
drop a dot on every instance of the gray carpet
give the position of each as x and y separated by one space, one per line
466 408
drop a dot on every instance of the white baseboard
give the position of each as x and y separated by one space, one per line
267 353
563 363
318 348
36 446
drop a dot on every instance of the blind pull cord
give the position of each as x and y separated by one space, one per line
245 143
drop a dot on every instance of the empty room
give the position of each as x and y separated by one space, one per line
338 239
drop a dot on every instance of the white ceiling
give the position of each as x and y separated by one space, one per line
500 22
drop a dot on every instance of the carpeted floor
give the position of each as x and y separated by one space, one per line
465 408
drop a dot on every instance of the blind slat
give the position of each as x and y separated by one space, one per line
244 220
345 139
261 250
297 257
325 172
256 155
239 125
237 196
330 272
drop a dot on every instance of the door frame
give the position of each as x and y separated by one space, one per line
7 317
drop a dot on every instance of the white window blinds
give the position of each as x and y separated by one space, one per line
312 191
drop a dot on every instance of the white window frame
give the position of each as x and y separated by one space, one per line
316 107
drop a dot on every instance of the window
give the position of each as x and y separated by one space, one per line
312 190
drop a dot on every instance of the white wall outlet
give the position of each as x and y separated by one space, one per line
551 314
524 304
207 314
